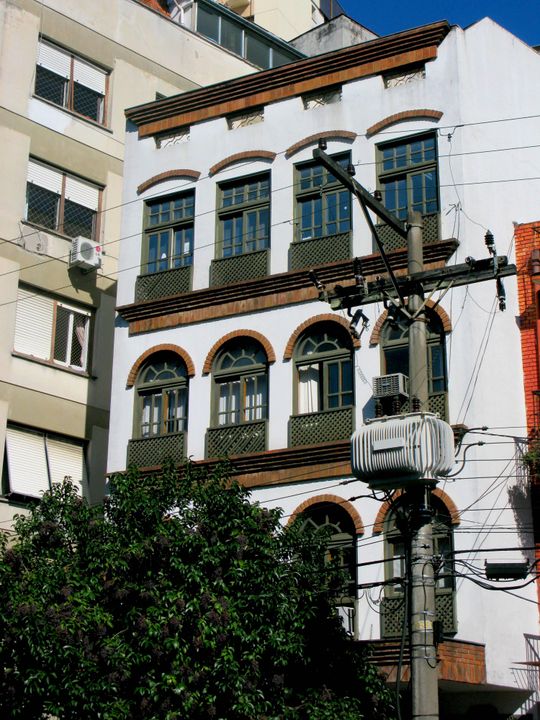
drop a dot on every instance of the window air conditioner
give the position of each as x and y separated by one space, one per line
390 385
85 253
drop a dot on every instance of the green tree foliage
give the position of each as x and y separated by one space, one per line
179 599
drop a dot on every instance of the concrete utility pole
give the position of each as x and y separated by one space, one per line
394 290
425 699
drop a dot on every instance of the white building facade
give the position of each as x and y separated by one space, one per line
223 348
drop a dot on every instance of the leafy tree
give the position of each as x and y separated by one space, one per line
179 599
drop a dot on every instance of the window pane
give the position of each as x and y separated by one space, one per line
88 102
207 23
231 36
257 51
42 206
78 341
78 220
62 334
50 86
308 389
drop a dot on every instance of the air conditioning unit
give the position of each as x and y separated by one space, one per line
85 253
391 385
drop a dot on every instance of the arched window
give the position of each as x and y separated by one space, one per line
395 349
324 370
395 567
338 527
240 374
162 388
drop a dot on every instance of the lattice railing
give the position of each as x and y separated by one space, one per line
392 241
314 428
236 439
151 451
237 268
163 284
438 403
316 251
393 608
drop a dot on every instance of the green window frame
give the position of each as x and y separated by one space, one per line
408 176
168 232
240 376
323 206
395 350
162 394
243 215
324 371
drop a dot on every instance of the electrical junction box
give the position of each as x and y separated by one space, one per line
400 451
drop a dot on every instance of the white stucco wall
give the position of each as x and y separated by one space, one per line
487 85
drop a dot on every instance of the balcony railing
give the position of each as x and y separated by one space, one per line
317 251
393 610
393 241
152 451
240 439
314 428
238 268
163 284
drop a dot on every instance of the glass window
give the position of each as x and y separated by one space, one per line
408 175
324 370
51 330
169 233
208 23
61 202
69 81
162 388
244 215
323 206
257 51
241 383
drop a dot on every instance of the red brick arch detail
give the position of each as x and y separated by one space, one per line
168 175
450 505
325 135
336 500
270 354
238 157
327 317
132 377
443 315
422 114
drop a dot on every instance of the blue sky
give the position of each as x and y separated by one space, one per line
521 17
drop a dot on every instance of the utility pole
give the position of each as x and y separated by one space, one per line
393 291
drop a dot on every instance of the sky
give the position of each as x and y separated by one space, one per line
520 17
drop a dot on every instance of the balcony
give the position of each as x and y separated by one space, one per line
317 251
242 439
152 451
320 427
237 268
166 283
393 241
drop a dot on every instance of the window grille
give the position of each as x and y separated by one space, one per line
61 202
71 82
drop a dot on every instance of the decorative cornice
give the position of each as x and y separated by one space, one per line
270 354
326 317
239 157
402 116
264 293
168 175
190 367
384 54
325 135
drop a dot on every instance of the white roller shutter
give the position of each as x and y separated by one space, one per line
45 177
66 459
54 59
34 324
27 463
82 193
89 76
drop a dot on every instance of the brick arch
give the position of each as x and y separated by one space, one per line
327 317
447 501
168 175
238 157
335 500
270 354
422 114
132 377
346 135
375 337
